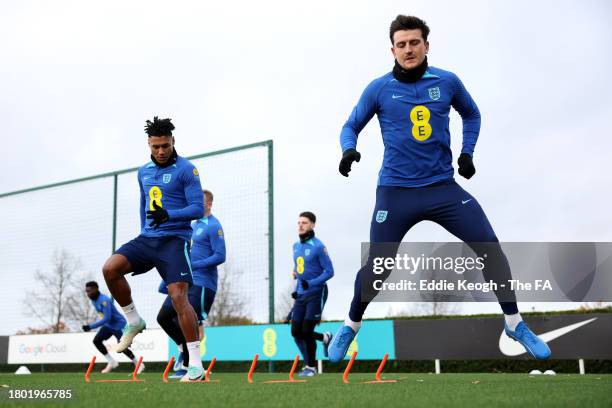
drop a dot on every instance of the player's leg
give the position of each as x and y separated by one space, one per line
297 319
326 337
174 266
131 257
395 212
104 333
167 320
314 309
205 299
461 215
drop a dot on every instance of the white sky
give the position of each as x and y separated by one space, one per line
78 79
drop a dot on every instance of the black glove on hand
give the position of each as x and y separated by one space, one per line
305 284
466 166
294 295
86 327
348 157
158 215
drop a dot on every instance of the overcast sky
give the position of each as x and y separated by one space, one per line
79 78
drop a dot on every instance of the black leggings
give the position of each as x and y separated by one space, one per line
305 331
167 319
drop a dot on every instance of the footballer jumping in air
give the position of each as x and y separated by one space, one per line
312 268
111 323
416 179
207 253
170 198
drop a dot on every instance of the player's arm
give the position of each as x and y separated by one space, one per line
470 115
106 311
326 265
193 193
360 116
217 242
143 203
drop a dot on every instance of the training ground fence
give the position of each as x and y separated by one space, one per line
56 237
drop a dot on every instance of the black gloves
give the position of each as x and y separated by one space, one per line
466 166
348 157
294 295
305 284
86 327
158 215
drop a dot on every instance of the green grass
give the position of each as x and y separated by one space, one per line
327 390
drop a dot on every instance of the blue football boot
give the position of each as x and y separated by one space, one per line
532 343
340 343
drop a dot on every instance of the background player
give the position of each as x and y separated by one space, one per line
207 253
416 179
170 197
313 268
111 322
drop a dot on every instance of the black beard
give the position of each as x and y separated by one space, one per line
409 75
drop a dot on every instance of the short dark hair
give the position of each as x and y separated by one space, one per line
159 127
402 22
91 284
310 216
208 194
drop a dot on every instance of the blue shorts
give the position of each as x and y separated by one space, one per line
105 333
309 306
201 298
170 255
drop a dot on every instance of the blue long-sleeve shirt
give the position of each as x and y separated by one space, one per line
207 251
414 119
175 188
109 315
311 262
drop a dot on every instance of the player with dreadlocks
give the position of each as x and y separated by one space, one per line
170 198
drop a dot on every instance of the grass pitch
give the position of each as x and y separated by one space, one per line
327 390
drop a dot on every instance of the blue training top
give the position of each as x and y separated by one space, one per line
109 315
207 251
175 188
414 120
311 263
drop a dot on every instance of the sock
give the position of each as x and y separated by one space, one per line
180 348
513 320
194 354
109 358
131 314
135 360
353 325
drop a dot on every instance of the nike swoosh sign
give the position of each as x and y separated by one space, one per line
397 96
513 348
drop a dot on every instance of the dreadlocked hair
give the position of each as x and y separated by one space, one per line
159 127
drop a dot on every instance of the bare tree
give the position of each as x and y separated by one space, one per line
229 307
54 305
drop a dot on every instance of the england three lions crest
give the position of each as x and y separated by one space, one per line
381 216
434 93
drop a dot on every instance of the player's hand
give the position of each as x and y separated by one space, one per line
305 284
86 327
466 166
294 295
158 215
348 157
